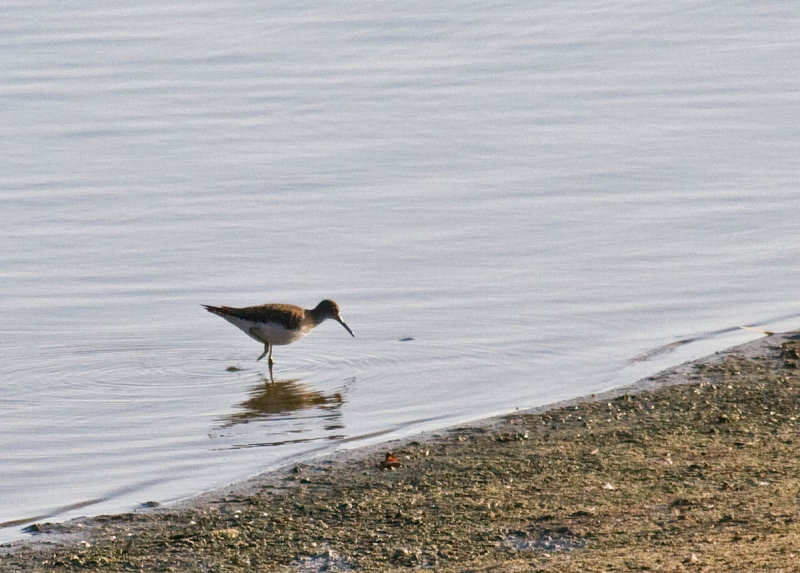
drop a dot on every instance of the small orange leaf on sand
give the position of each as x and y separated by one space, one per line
390 462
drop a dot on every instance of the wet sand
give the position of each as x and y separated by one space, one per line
696 469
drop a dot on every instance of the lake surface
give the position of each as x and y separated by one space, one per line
511 202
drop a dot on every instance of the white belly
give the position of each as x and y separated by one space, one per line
275 334
267 331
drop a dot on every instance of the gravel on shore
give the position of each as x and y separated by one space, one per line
697 469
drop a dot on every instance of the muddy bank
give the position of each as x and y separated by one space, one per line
699 476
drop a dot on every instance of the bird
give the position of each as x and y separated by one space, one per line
278 324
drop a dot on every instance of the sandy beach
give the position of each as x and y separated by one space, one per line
695 469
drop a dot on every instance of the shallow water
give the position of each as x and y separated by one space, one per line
533 195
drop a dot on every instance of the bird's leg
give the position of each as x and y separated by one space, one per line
269 361
267 345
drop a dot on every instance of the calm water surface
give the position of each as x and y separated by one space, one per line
534 194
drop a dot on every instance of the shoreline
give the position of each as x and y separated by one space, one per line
609 481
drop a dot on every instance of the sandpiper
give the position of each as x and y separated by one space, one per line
278 324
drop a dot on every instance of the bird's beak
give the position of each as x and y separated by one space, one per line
347 328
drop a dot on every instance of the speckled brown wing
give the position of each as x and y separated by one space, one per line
288 315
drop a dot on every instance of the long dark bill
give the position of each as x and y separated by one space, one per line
347 328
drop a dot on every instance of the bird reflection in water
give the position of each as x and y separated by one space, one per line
272 399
